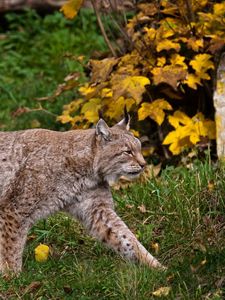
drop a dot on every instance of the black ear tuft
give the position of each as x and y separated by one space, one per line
126 115
125 122
100 114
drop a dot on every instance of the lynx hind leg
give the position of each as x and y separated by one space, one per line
106 226
12 241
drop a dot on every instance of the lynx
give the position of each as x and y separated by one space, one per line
43 171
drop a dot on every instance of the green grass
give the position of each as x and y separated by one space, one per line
184 216
33 64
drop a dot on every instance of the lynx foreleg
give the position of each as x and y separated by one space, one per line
102 222
111 230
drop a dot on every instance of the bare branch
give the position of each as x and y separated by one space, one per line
103 29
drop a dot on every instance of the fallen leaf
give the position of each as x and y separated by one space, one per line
67 289
162 291
142 208
203 262
170 278
129 206
41 253
32 287
35 124
155 247
31 237
150 171
211 185
219 283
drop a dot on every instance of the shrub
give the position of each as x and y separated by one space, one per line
165 76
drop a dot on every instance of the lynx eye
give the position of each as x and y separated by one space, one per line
129 152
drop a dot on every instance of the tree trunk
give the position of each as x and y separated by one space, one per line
219 103
102 5
6 5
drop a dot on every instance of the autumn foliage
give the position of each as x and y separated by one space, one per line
164 76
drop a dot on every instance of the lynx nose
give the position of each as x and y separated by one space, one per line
143 164
141 161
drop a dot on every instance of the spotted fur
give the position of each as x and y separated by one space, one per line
42 172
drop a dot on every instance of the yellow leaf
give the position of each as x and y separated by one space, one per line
77 119
192 80
171 137
194 138
154 110
219 9
161 61
201 64
151 33
169 25
170 74
72 106
135 132
91 109
41 253
179 145
147 151
35 124
116 108
162 291
195 44
137 81
211 129
179 118
178 60
167 45
87 90
71 8
101 69
106 93
178 139
81 58
64 119
129 86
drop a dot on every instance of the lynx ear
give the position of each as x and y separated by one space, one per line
102 129
125 122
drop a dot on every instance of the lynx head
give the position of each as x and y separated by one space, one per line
118 151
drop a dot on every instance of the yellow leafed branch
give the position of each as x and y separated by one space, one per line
188 131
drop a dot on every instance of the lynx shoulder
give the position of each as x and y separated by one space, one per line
42 172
